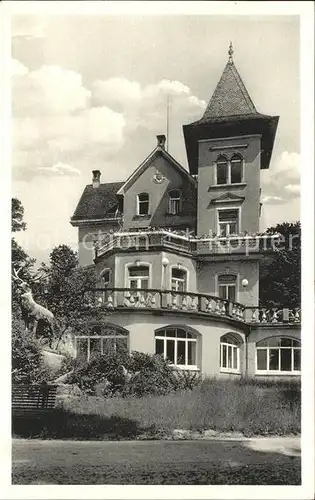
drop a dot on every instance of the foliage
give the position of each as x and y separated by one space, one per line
280 273
17 214
64 288
19 258
27 363
145 374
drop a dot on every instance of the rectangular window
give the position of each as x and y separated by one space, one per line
222 173
286 360
228 221
170 350
138 277
159 346
297 359
227 287
143 204
261 359
273 359
179 280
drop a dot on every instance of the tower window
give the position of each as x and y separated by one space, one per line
229 172
222 170
174 201
228 222
236 169
143 204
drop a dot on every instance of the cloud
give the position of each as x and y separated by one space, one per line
28 26
61 169
274 200
49 90
281 182
293 189
147 106
18 69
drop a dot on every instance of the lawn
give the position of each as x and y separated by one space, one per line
250 408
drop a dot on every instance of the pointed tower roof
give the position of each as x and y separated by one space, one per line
230 97
230 111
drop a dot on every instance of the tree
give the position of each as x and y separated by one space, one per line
19 258
280 272
64 289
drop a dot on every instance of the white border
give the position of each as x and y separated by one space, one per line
305 11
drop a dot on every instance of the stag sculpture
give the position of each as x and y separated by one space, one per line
33 311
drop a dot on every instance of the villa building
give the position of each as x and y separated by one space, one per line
177 252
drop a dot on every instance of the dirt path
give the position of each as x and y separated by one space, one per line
251 461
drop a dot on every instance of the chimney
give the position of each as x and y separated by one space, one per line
161 139
96 178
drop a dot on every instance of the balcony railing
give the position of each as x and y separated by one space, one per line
169 300
151 239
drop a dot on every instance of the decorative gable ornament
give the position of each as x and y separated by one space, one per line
158 178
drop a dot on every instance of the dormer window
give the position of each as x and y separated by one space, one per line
229 171
174 202
143 204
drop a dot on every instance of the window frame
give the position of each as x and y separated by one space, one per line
179 280
231 284
193 340
101 337
175 199
234 344
238 222
267 348
229 161
139 202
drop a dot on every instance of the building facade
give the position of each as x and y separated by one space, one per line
177 252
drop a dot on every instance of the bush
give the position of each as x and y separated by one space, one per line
27 363
136 374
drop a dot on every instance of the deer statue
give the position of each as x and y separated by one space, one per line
32 310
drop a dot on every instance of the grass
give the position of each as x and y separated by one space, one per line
250 407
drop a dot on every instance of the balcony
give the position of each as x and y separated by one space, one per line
183 302
184 242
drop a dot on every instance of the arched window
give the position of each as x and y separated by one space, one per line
278 355
174 201
229 353
222 167
143 204
102 339
229 171
227 286
178 280
104 279
178 345
138 277
236 169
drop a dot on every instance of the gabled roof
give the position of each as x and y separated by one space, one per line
146 163
227 197
97 203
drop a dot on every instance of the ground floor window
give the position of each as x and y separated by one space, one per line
177 345
278 355
229 354
88 346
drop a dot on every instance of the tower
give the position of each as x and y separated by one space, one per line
226 148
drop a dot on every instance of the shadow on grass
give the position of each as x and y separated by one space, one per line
63 424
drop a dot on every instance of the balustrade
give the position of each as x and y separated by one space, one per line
263 315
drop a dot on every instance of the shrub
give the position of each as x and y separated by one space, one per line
27 363
127 374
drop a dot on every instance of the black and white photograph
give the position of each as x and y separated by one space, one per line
160 317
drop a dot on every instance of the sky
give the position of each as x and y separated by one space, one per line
90 92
